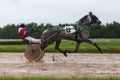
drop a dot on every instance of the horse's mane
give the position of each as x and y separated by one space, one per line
82 19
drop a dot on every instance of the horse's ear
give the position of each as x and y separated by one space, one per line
90 13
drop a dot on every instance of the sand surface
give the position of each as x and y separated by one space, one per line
75 65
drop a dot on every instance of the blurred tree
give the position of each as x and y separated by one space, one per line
9 32
110 30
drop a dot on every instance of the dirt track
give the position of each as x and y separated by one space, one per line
75 65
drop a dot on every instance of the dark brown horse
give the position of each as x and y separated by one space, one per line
80 34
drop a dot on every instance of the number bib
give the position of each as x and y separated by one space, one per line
69 29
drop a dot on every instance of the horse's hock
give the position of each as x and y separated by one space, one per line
33 52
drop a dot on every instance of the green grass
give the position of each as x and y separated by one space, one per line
37 78
107 45
12 48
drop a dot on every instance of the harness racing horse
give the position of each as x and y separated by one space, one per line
77 33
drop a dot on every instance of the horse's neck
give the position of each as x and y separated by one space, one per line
83 26
84 21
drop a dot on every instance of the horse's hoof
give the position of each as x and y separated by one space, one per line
69 52
65 53
75 51
101 51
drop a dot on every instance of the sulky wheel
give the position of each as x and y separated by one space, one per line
33 52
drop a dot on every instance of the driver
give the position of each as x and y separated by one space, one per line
23 34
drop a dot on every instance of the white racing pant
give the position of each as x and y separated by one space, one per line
33 40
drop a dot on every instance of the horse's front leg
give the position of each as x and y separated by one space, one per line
93 43
76 48
57 47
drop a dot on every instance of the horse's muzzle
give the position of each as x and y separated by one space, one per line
98 22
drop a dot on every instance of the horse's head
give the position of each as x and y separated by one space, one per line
89 19
94 19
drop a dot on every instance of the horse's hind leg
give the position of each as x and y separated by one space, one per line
93 43
57 47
